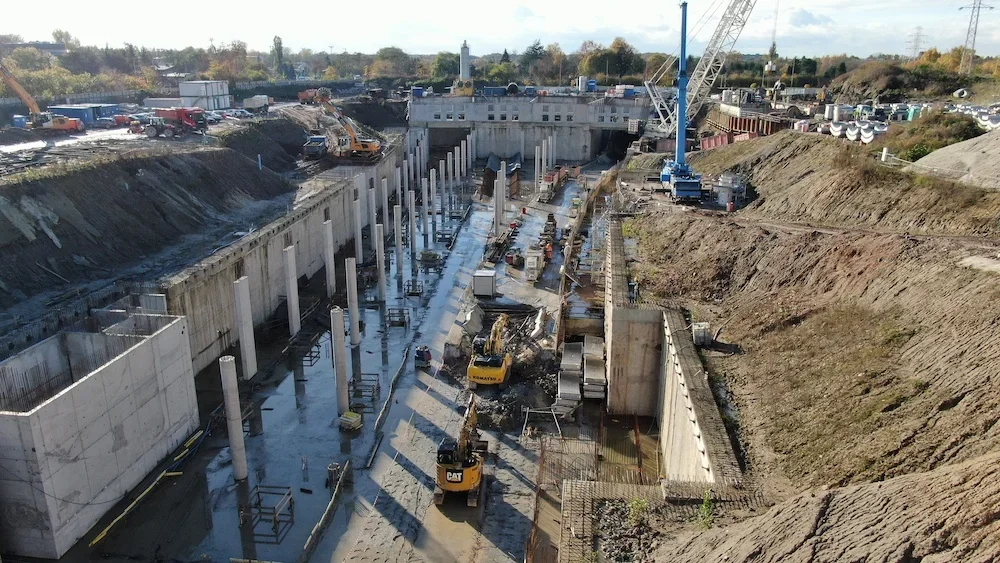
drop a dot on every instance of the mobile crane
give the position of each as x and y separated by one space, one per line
42 122
460 462
489 364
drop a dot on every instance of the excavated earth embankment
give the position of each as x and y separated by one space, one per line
861 360
89 220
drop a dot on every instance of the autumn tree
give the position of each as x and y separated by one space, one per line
445 65
392 61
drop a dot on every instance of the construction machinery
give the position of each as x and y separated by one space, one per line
684 184
422 357
664 123
183 120
461 463
489 364
39 121
354 145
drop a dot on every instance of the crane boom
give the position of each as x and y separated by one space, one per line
19 91
734 19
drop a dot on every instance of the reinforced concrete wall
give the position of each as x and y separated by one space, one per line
634 334
65 462
204 292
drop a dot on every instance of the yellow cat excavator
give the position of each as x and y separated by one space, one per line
489 364
460 462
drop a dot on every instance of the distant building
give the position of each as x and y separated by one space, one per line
54 49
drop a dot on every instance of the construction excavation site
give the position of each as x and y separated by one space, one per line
377 331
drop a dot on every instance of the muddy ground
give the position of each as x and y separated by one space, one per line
856 354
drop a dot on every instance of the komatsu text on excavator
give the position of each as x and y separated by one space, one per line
489 364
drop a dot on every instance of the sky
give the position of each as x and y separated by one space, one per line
804 27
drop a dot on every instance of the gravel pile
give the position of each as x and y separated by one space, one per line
628 529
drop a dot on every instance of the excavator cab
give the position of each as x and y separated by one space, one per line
461 462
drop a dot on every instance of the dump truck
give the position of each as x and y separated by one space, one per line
258 104
550 183
308 96
184 120
315 147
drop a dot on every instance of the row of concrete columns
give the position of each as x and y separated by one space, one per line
500 199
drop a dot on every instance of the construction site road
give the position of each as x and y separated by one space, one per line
402 524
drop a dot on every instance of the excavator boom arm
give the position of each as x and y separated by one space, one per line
19 90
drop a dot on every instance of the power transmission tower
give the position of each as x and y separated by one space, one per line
969 52
916 42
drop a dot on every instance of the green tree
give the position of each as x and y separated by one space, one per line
29 58
505 58
445 65
392 61
329 73
531 55
502 73
64 37
277 54
653 64
842 68
10 38
626 59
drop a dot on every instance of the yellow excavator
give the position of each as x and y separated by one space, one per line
489 364
42 122
354 145
460 462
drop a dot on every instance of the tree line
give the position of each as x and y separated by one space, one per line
131 67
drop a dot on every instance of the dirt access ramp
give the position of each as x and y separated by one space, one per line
819 180
84 221
277 141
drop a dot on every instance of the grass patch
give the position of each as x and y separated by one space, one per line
706 512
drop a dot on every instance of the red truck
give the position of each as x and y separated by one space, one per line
184 120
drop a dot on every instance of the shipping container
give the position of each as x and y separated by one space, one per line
530 90
162 102
84 113
591 85
207 102
494 91
20 121
416 92
204 88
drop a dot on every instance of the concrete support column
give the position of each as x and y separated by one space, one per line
496 206
372 215
385 201
538 169
406 174
359 252
434 202
292 291
453 158
329 251
380 259
234 417
339 359
412 203
443 174
502 201
464 152
555 147
351 267
545 156
399 186
244 326
397 227
426 196
449 172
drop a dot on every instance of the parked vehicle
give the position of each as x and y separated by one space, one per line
183 120
104 123
122 119
212 117
142 118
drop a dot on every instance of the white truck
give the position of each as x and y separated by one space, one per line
257 104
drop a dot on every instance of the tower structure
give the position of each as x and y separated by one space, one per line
969 52
463 62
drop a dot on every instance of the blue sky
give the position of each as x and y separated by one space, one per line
805 27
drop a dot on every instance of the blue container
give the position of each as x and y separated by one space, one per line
530 91
105 110
20 121
86 114
494 91
591 85
416 92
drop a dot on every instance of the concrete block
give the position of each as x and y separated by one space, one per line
90 403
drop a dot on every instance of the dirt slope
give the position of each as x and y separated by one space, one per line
864 357
276 141
824 181
976 161
85 221
946 515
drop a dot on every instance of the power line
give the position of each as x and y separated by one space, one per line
916 40
969 52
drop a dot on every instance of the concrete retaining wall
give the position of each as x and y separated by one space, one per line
634 339
67 461
204 293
